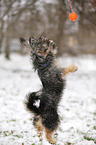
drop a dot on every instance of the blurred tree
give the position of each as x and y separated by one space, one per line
7 42
23 18
54 18
10 12
61 23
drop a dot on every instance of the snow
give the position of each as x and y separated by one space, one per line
77 108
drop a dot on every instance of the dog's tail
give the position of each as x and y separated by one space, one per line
32 103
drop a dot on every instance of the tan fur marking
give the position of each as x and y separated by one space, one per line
54 52
69 69
49 136
40 52
57 64
46 53
39 128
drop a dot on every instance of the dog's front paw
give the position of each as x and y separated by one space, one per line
73 68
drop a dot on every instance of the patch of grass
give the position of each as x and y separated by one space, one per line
94 127
19 136
11 131
89 138
7 133
95 113
24 131
95 141
55 135
13 120
88 125
69 143
25 122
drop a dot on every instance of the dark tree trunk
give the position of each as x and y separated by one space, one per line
61 22
81 34
7 48
1 35
0 45
7 44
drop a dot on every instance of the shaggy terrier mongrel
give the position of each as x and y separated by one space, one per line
44 103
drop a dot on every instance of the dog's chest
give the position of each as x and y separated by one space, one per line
52 80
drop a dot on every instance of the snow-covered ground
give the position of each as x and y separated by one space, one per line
77 108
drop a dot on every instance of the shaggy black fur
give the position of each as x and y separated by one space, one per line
52 83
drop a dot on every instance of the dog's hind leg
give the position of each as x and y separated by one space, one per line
50 120
69 69
49 134
38 125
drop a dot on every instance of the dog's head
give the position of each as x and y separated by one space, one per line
41 46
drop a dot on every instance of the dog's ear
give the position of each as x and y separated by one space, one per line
42 36
24 42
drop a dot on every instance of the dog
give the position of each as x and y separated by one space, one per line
44 103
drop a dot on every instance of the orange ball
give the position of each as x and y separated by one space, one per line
73 16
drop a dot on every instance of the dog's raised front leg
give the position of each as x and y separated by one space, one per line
69 69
